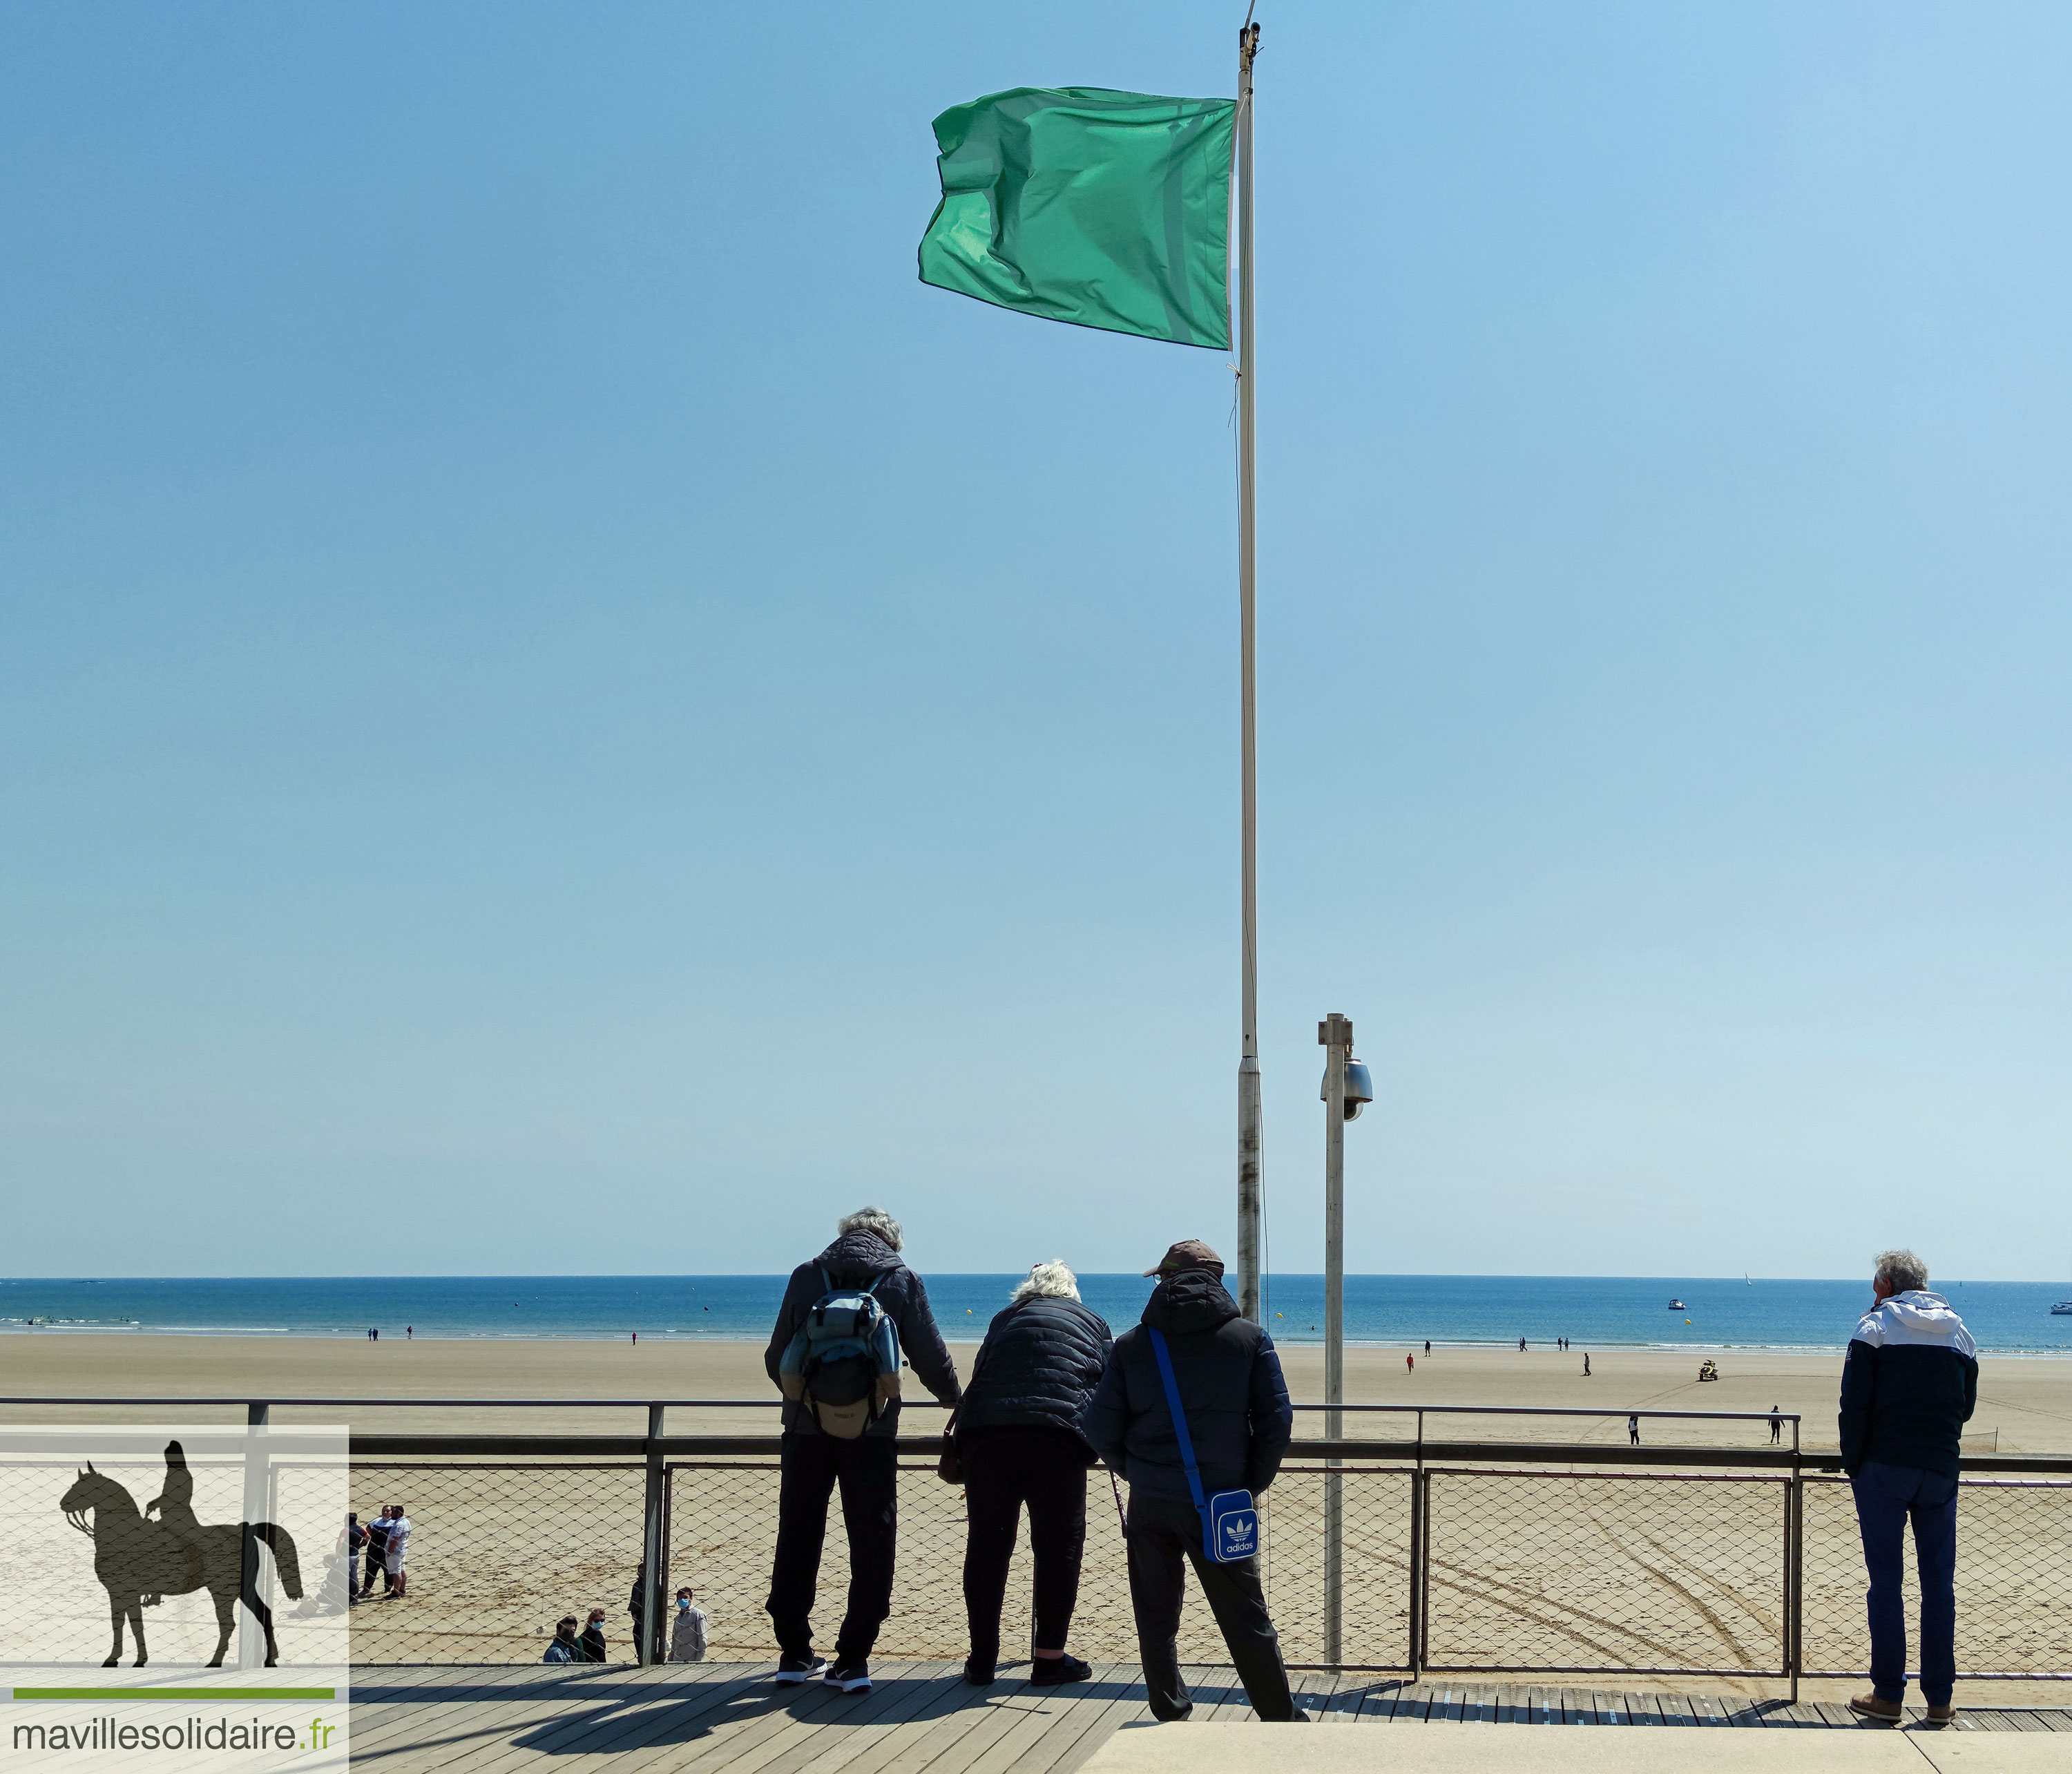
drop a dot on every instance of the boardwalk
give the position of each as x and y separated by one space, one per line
922 1716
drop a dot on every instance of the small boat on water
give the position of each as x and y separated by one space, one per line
1676 1306
2062 1309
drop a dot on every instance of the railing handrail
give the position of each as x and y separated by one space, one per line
909 1404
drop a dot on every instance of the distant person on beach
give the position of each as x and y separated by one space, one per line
409 1333
1909 1384
377 1553
592 1642
356 1545
564 1647
397 1549
1018 1432
1410 1364
1586 1364
1428 1346
687 1631
1238 1422
1632 1431
815 1455
1776 1426
1521 1345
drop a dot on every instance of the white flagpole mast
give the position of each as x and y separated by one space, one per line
1248 1132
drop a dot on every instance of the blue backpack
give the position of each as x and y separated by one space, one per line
1230 1519
843 1362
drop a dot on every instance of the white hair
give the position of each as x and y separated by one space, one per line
875 1220
1049 1280
1905 1270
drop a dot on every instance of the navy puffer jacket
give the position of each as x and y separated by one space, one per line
1229 1376
1038 1366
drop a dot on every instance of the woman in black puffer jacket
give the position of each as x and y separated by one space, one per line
1017 1429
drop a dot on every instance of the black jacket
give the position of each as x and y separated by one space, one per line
1037 1369
1909 1386
1231 1388
855 1260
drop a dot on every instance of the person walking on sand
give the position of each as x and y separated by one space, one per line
1428 1348
1632 1431
1238 1422
1018 1432
1410 1364
1910 1383
687 1631
1776 1426
1586 1364
828 1441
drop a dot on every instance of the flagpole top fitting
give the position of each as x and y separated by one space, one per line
1247 44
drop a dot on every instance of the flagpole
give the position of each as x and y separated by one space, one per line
1249 1164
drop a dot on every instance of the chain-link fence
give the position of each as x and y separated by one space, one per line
1641 1572
1455 1568
498 1552
2014 1579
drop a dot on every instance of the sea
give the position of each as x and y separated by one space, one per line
1655 1311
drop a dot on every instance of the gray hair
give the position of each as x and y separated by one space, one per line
875 1220
1905 1270
1049 1280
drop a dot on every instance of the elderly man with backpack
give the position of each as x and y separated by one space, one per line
1193 1414
848 1318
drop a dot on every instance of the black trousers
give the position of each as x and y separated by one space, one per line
813 1466
1005 1468
1161 1532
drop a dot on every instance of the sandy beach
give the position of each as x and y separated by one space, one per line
2024 1402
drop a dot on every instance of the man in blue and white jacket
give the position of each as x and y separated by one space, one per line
1909 1387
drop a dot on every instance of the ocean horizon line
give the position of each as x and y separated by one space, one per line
1381 1311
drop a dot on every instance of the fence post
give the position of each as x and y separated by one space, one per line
1795 1578
251 1638
1420 1559
654 1544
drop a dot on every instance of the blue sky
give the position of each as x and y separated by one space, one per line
560 712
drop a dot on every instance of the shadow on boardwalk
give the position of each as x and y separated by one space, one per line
676 1719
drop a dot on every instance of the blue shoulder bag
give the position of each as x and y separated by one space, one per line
1230 1521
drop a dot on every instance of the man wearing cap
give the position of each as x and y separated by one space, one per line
1239 1423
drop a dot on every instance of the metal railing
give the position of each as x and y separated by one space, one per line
1454 1554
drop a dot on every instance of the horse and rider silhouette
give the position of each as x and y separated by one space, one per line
138 1560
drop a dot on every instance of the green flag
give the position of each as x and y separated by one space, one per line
1104 209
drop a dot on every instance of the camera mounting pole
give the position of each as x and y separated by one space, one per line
1334 1035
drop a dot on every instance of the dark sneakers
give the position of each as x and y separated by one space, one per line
1050 1672
850 1678
978 1674
790 1670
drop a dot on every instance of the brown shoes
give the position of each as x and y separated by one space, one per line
1942 1715
1868 1705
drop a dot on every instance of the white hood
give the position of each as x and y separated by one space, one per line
1918 1317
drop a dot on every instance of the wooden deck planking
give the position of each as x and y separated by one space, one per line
922 1717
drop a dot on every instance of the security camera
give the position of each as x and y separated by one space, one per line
1359 1088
